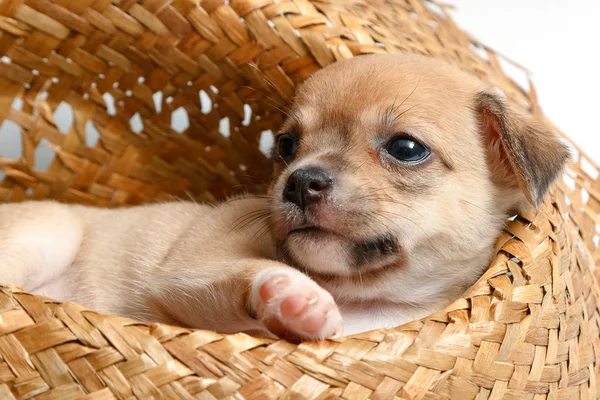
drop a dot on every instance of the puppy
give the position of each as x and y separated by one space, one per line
394 174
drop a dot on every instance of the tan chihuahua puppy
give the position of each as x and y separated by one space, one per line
394 176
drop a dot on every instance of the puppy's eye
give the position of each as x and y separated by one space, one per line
407 149
287 146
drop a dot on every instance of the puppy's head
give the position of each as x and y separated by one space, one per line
402 166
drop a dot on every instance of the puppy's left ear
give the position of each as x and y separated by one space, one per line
519 149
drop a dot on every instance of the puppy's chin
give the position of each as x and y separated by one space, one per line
318 252
328 254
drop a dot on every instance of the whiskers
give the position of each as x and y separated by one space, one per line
269 82
257 219
390 115
249 219
282 107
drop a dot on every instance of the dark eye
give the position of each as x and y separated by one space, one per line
287 146
407 149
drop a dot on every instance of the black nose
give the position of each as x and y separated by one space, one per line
307 186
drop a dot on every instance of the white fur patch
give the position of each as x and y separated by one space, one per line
323 255
50 244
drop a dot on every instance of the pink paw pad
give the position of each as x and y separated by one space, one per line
294 307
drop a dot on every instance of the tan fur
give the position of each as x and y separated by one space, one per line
461 197
199 266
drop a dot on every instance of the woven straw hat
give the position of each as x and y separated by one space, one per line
126 70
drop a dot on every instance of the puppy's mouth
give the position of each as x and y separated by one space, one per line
312 231
308 229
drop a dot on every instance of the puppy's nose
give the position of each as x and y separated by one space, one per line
307 186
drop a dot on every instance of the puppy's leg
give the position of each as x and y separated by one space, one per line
293 306
241 295
38 241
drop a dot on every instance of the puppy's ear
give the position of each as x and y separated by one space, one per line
520 151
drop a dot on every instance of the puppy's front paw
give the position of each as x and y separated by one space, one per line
293 307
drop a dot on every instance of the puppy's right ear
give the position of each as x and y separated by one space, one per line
521 152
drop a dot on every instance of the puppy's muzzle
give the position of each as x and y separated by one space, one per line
307 186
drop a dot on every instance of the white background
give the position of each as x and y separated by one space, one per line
559 42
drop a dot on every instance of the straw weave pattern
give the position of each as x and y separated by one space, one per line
528 329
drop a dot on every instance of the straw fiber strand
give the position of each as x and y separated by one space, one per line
528 329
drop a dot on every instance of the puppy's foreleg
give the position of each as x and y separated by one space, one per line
248 295
38 241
